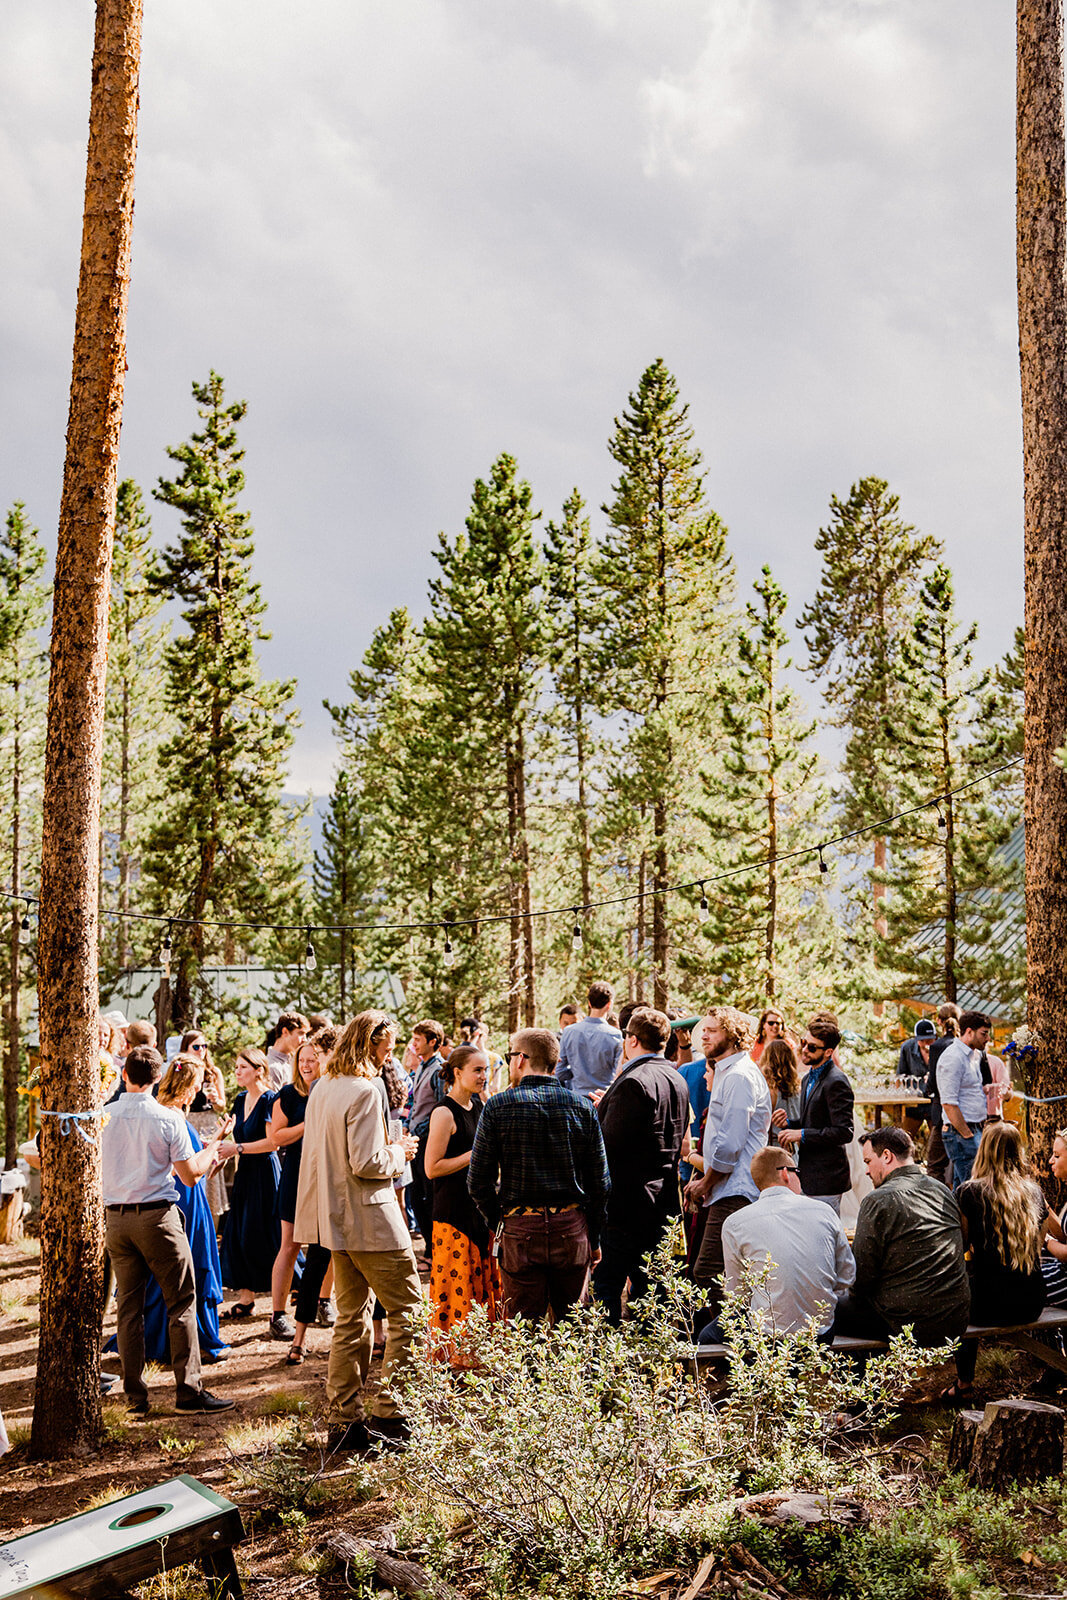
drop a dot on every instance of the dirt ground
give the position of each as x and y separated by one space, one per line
139 1452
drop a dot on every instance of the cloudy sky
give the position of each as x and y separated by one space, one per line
414 234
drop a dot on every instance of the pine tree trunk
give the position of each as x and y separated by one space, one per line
1041 218
123 940
642 880
660 949
879 895
11 1059
66 1415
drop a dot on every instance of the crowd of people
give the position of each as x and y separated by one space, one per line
525 1184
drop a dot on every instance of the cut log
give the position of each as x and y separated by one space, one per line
11 1209
1017 1441
780 1507
961 1441
407 1577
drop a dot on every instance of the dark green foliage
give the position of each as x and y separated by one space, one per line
770 925
344 881
947 877
135 724
224 847
23 697
668 579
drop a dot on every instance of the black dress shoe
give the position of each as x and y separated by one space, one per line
204 1401
138 1408
349 1439
389 1433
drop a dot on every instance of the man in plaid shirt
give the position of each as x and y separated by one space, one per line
539 1175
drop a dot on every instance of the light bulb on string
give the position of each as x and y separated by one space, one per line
703 910
449 955
309 954
165 951
940 816
25 931
823 866
576 935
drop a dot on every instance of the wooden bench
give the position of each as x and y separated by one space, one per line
1019 1334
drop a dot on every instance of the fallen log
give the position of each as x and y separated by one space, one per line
408 1577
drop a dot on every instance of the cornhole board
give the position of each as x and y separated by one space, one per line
99 1554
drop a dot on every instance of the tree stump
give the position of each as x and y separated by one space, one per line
1010 1441
11 1210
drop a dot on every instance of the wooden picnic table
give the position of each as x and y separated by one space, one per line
880 1099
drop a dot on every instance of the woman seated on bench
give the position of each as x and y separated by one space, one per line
1054 1261
1004 1219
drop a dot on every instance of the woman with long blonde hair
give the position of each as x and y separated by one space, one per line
1004 1215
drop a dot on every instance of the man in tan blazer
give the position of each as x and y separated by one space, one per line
346 1202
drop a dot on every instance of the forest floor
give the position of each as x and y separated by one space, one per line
996 1543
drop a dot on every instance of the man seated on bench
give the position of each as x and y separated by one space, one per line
801 1238
909 1251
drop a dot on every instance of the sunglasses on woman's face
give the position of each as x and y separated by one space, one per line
201 1046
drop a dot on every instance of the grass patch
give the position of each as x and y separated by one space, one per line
176 1449
105 1497
283 1403
252 1436
117 1422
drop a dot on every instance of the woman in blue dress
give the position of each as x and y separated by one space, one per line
253 1232
180 1085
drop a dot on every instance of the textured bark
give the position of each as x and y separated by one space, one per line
14 1029
1041 215
66 1416
1010 1441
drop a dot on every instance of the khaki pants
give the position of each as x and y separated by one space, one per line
154 1242
359 1275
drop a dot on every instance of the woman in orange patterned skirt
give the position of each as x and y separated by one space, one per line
463 1270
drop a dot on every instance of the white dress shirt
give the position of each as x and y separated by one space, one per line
739 1116
811 1260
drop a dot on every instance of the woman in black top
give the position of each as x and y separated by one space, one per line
286 1135
463 1270
1004 1215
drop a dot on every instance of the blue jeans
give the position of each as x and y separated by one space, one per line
961 1152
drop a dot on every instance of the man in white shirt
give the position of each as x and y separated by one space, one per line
803 1241
290 1031
739 1116
143 1144
962 1094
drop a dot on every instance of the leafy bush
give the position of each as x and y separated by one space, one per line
576 1452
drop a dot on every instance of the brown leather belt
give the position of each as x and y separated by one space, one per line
538 1211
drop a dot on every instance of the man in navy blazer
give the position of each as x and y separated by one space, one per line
824 1128
644 1117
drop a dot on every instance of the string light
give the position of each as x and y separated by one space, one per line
703 910
25 932
940 816
309 954
879 825
449 955
165 950
576 936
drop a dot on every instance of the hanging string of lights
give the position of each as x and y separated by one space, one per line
447 925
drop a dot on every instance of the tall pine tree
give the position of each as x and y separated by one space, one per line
947 869
665 569
23 687
135 722
770 922
486 650
872 570
344 880
224 848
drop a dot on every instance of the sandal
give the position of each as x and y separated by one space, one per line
957 1394
295 1357
238 1311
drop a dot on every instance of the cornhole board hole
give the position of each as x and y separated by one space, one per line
100 1554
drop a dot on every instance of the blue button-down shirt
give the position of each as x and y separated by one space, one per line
739 1117
589 1054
